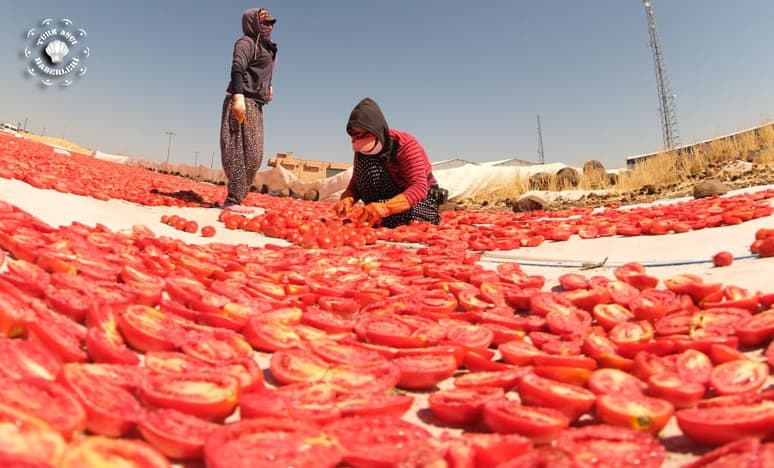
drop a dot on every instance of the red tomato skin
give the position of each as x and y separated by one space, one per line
571 400
719 425
461 406
159 391
624 410
509 417
739 376
723 259
99 451
424 371
175 434
47 400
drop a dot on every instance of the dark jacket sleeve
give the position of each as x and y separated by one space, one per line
242 53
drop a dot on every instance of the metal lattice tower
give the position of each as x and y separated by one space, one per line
541 155
666 100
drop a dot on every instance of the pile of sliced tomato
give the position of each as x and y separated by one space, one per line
128 346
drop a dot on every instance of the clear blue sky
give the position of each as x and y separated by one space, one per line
467 78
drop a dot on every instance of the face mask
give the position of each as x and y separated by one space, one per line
368 146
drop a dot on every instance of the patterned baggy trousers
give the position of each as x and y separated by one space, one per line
241 148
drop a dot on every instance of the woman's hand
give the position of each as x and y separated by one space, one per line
343 207
238 108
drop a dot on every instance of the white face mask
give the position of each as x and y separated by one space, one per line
367 146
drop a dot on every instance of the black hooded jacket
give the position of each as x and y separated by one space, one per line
368 116
253 61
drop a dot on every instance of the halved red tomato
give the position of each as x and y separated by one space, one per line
305 401
48 401
205 395
616 381
175 434
110 410
682 393
27 440
103 340
602 445
495 449
27 359
571 400
505 379
717 425
610 315
374 404
371 441
98 452
459 406
756 330
742 452
541 425
741 376
149 329
296 365
634 411
577 376
424 371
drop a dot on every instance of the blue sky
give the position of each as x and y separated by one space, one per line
467 78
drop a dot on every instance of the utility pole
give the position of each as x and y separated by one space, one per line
25 124
212 160
196 157
541 155
666 100
169 144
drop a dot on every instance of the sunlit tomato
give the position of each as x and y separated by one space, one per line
104 343
295 365
175 434
519 352
459 406
97 452
374 377
148 329
208 231
717 425
742 452
424 371
110 409
634 411
495 449
371 441
27 440
577 376
60 335
374 405
505 379
313 402
569 322
571 281
610 315
48 401
675 389
756 330
207 395
602 445
736 377
571 400
541 425
21 359
615 381
722 259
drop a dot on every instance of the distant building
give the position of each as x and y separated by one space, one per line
307 170
509 162
451 163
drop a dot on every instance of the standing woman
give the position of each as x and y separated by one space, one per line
241 128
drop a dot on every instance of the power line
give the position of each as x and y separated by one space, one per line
666 100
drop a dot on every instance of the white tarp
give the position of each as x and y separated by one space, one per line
466 181
279 178
109 157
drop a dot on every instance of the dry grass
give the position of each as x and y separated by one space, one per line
58 142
